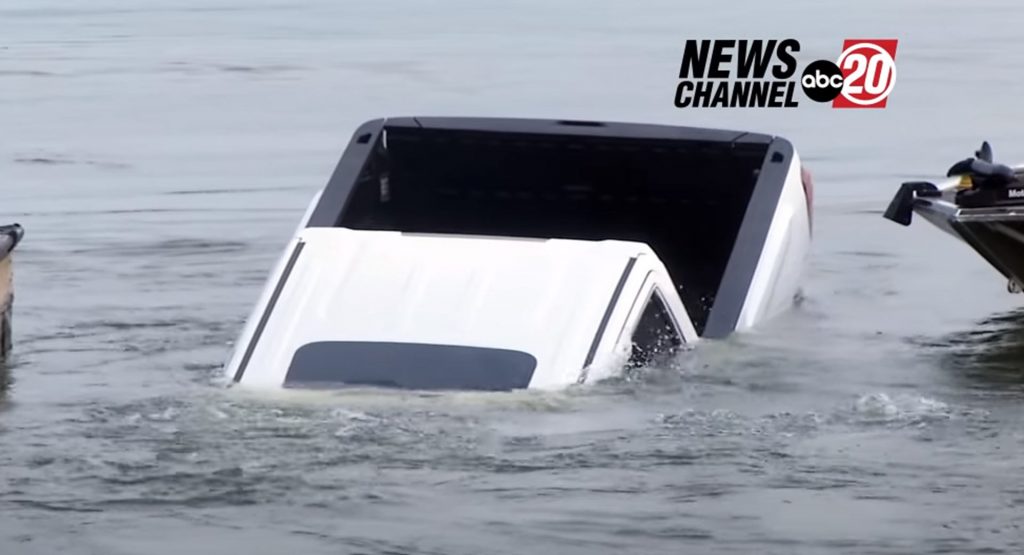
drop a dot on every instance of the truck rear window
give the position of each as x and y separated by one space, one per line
409 366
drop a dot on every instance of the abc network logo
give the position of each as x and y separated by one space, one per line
763 74
863 77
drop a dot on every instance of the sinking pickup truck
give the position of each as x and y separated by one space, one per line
498 254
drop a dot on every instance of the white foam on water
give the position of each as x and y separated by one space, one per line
900 408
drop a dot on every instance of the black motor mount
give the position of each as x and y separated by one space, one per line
901 208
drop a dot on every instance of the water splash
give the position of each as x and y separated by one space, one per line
881 408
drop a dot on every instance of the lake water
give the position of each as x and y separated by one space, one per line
160 154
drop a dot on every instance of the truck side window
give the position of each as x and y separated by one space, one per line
655 335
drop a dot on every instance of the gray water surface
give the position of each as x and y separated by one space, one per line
161 153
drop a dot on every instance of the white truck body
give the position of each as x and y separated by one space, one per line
491 254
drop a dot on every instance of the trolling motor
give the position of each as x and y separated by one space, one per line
984 183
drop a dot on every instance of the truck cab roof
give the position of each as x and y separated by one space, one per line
432 311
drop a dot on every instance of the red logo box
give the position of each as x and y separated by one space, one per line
869 73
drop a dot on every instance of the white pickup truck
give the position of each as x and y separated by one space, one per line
497 254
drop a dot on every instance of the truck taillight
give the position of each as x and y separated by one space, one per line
808 182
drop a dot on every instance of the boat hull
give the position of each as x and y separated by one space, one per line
981 203
9 237
996 233
6 302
